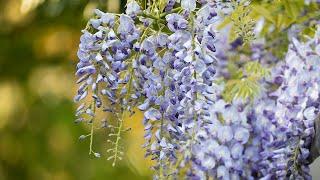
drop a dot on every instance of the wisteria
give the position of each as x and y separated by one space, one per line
169 59
289 112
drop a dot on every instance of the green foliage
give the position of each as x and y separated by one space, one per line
241 88
277 16
243 24
245 82
38 138
281 14
255 70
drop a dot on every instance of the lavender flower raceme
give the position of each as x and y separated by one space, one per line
286 124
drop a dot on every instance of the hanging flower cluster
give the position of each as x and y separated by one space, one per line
284 119
164 58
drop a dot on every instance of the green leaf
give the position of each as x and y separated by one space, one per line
162 4
292 8
245 82
264 12
241 89
254 69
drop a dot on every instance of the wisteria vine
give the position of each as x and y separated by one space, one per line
168 59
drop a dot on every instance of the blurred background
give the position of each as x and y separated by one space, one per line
38 137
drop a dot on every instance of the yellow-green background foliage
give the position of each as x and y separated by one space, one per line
38 137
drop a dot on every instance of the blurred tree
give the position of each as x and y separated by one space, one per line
38 140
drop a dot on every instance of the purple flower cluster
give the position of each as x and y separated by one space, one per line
167 65
105 69
177 85
284 119
223 148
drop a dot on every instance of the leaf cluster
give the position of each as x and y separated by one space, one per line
273 19
276 17
244 83
243 24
